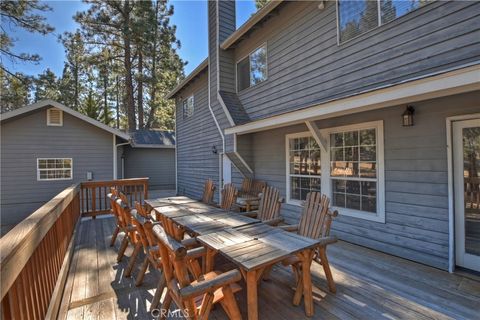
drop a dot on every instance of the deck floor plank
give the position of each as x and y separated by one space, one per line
370 285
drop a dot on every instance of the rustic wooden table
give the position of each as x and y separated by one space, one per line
248 243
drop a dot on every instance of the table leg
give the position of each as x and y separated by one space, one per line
252 299
209 260
307 282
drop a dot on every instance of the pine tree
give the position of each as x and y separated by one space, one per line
46 86
74 69
21 14
14 91
109 24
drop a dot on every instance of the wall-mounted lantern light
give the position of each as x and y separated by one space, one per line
214 150
407 116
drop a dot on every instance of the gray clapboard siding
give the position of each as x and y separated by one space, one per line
26 138
415 179
158 164
195 137
306 66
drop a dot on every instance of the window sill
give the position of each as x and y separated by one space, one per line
360 214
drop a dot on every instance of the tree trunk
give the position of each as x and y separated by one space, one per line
153 90
117 106
105 98
140 88
129 103
75 77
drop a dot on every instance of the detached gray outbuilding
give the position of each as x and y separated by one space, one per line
46 147
151 153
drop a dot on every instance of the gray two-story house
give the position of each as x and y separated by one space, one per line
374 103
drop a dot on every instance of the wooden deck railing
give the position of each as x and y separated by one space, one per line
34 258
93 194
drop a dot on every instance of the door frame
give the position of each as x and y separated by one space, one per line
451 200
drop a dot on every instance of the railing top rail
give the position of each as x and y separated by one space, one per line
18 245
114 182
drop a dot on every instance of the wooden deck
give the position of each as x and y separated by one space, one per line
370 285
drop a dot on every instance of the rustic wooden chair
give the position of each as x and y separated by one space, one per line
315 223
208 191
194 298
113 209
229 196
248 196
269 207
128 229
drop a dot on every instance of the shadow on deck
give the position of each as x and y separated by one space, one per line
370 285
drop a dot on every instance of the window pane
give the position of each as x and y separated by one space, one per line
367 137
243 74
368 154
42 164
392 9
336 140
258 66
353 202
356 17
369 204
368 170
339 200
353 187
369 188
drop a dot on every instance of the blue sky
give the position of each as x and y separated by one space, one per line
190 17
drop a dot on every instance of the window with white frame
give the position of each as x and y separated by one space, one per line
188 107
304 166
252 69
349 170
54 169
359 16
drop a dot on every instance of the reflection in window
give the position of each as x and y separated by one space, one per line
353 169
188 107
304 167
359 16
252 69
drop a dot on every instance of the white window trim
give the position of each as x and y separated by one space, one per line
288 137
54 179
250 74
50 124
326 186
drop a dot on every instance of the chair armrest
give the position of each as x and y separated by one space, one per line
251 214
289 227
200 287
273 222
196 253
190 242
327 240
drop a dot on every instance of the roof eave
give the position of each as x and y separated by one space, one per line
55 104
187 79
254 19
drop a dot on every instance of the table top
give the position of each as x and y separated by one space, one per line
247 242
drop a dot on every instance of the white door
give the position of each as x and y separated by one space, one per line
226 170
466 161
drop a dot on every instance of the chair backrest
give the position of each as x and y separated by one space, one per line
141 210
246 185
269 206
139 221
252 187
257 187
124 197
208 191
229 196
173 256
316 217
